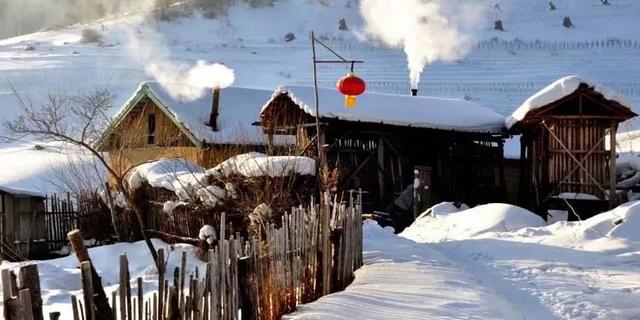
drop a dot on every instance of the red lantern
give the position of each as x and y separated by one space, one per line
351 86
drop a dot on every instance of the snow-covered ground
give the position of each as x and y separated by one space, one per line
495 262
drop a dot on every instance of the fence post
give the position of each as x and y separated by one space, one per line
100 299
326 245
160 283
25 305
28 278
87 290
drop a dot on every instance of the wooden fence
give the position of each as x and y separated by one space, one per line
63 214
60 217
314 252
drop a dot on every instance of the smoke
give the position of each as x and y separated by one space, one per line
183 81
427 30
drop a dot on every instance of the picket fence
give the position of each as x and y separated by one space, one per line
314 251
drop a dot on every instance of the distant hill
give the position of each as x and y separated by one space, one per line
502 70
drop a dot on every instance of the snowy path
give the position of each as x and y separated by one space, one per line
405 280
571 284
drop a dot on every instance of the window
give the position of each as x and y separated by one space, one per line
151 129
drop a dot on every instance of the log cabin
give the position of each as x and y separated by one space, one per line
564 131
153 124
402 151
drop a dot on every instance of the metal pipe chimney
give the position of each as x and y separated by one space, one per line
215 107
414 92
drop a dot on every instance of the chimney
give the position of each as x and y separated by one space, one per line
414 92
215 106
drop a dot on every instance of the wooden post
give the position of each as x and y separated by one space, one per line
140 298
326 245
7 296
381 178
122 287
87 290
101 302
612 165
28 278
74 306
25 305
160 283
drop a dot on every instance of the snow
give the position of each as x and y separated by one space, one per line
60 278
528 270
558 90
256 164
21 192
47 168
238 110
170 206
402 279
454 224
175 174
207 233
397 109
211 195
577 196
442 209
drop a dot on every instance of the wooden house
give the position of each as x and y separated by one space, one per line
564 130
22 223
154 124
399 149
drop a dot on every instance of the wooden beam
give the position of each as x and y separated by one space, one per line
574 158
612 164
381 174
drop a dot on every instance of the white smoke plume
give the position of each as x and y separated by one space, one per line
427 30
183 81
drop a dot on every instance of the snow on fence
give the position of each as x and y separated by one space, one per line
314 252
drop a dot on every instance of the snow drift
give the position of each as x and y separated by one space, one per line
494 217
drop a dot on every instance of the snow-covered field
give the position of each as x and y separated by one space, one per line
495 262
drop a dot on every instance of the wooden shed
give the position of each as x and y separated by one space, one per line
22 223
205 129
565 130
403 151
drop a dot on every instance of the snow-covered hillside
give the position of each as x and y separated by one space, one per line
500 72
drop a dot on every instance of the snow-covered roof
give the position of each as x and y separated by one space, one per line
558 90
21 192
256 164
394 109
238 110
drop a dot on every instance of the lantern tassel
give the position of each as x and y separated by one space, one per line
350 101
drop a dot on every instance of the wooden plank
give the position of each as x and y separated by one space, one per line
87 290
612 164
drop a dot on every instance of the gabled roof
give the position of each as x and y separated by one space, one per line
563 88
239 109
394 109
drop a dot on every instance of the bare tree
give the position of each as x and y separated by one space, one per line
79 121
